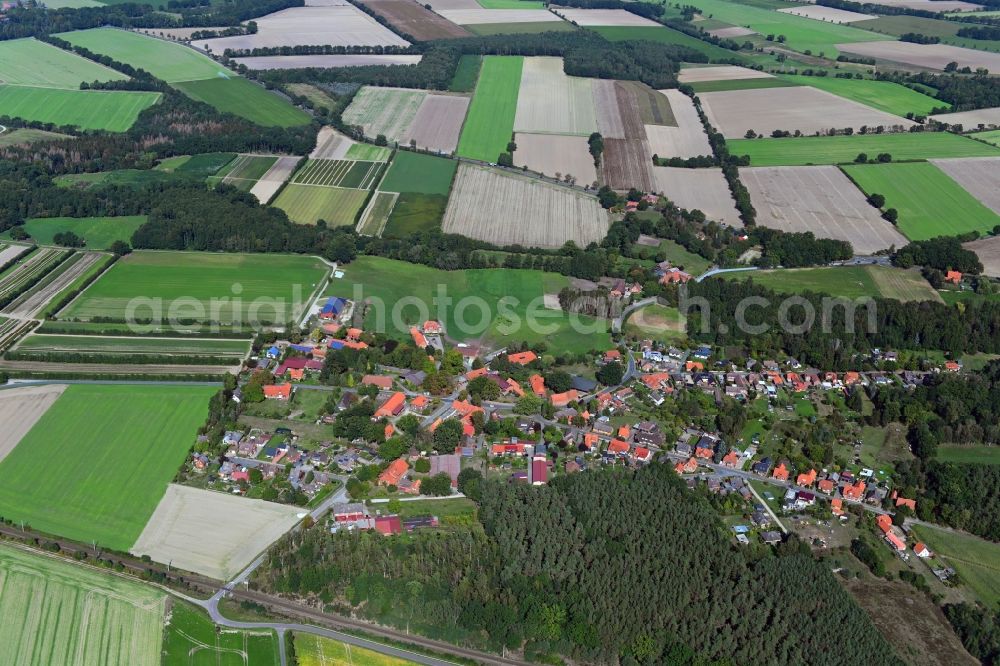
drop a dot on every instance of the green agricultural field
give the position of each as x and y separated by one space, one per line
24 136
192 639
96 344
307 204
366 152
844 282
98 232
55 303
532 28
665 35
466 74
374 220
111 111
313 650
969 454
415 212
990 136
244 172
929 202
740 84
245 99
59 613
416 172
205 164
883 95
656 322
805 150
30 62
96 464
489 126
198 278
390 281
171 164
976 560
165 60
802 34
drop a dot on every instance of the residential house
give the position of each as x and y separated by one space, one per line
908 503
771 538
780 472
618 447
762 466
648 433
806 479
537 385
921 550
394 473
688 467
953 277
612 355
384 382
392 407
563 399
419 404
278 391
854 492
450 464
522 358
731 459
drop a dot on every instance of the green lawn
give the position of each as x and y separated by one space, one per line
802 34
415 212
678 256
882 95
489 126
192 639
196 279
111 111
929 202
390 281
245 99
843 149
58 613
98 232
971 455
307 204
165 60
989 136
33 63
95 466
416 172
664 35
976 560
656 322
466 74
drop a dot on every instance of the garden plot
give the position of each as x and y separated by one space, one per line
803 108
551 102
411 18
553 154
609 119
324 61
339 173
211 533
20 409
486 16
979 176
60 613
929 56
341 25
988 251
331 145
720 73
971 119
438 123
603 17
687 139
827 14
820 199
269 184
506 209
702 189
386 111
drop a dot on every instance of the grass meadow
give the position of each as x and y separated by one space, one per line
844 281
28 136
59 613
416 172
191 638
98 232
95 466
805 150
466 74
489 126
883 95
33 63
111 111
200 277
313 650
392 281
930 203
245 99
657 323
415 212
989 136
307 204
976 560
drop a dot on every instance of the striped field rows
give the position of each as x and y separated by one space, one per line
39 263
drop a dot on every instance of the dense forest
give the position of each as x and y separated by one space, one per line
604 567
943 254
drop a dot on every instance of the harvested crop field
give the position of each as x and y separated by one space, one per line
702 189
330 145
731 32
988 251
687 138
971 119
307 204
59 613
627 163
929 202
928 56
827 14
553 154
603 17
820 199
652 106
438 123
506 209
324 61
979 176
551 102
376 215
341 25
720 73
411 18
269 184
800 108
487 16
212 533
903 285
387 111
882 95
20 409
609 119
